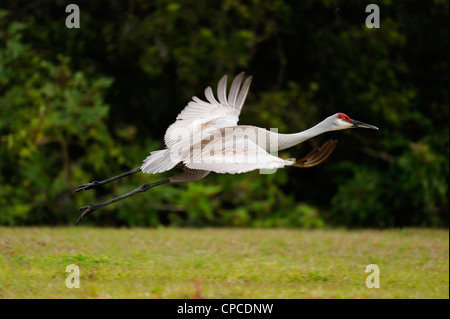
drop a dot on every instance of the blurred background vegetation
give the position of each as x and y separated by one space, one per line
85 104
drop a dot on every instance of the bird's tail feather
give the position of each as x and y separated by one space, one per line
158 162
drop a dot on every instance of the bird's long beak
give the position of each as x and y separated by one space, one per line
362 125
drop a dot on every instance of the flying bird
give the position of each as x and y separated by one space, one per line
206 138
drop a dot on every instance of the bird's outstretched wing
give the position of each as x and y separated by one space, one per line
232 155
201 116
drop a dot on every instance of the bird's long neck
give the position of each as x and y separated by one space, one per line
289 140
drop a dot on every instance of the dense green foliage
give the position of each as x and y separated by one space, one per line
89 103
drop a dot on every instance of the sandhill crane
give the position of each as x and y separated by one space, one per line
205 138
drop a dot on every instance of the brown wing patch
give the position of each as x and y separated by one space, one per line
317 155
180 165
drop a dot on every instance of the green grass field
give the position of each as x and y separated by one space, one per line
223 263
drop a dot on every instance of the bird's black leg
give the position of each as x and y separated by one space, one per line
92 207
188 175
95 184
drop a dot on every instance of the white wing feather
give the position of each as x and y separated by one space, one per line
202 117
212 114
232 155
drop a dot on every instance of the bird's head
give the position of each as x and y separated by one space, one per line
340 121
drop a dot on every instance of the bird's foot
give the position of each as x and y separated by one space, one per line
85 187
86 211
